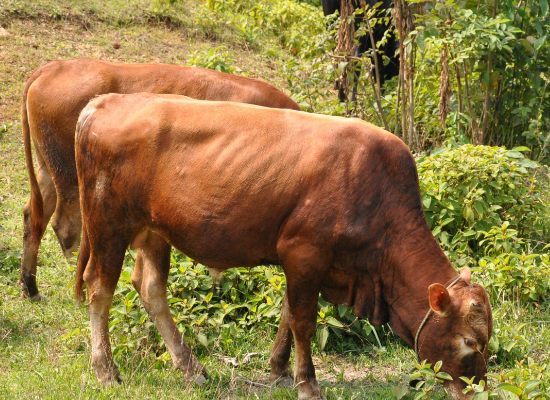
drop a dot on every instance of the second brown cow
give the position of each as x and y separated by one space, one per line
334 201
54 96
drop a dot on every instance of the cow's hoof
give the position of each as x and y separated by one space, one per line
282 381
309 391
197 376
314 397
38 297
284 378
112 378
199 379
107 376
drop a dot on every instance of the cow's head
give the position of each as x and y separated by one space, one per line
458 332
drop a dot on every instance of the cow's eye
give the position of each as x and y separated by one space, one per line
470 343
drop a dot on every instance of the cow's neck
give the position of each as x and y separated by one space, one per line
416 261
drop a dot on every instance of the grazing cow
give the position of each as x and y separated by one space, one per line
379 30
334 201
54 96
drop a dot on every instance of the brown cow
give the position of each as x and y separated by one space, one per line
334 201
53 97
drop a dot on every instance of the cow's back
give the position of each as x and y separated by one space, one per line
61 89
232 174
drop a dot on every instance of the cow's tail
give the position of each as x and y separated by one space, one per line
36 201
83 258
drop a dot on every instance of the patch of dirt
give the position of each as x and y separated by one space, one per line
339 368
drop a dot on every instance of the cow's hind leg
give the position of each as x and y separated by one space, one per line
305 267
280 353
101 276
149 279
32 238
67 222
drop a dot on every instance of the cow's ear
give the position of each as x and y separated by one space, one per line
466 274
440 301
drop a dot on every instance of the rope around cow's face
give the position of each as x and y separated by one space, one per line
426 319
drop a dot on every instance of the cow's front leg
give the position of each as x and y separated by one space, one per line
305 267
303 319
280 353
149 279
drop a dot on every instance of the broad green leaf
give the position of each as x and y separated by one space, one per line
333 322
420 42
399 392
208 297
437 366
481 396
342 309
427 371
479 208
446 221
540 41
527 45
444 376
510 388
426 200
469 214
415 376
421 394
521 148
531 385
203 339
509 346
322 336
543 6
513 154
494 344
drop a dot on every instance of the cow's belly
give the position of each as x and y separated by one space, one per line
223 242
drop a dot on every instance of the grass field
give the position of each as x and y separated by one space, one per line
45 347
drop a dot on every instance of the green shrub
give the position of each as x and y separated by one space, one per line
204 313
210 315
507 269
429 380
471 189
216 58
294 25
529 381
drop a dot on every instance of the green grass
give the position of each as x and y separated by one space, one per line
45 347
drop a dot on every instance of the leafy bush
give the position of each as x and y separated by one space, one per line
294 25
506 269
203 313
428 381
468 190
210 315
498 58
216 58
529 381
